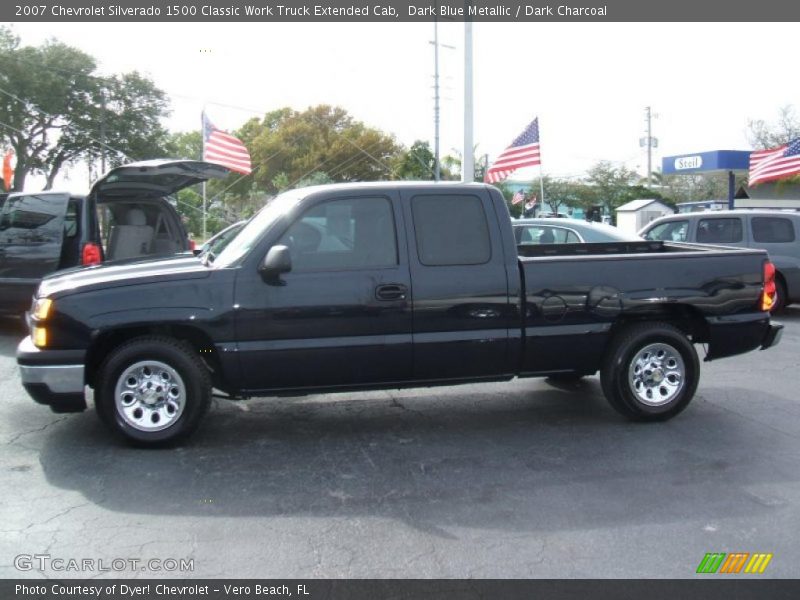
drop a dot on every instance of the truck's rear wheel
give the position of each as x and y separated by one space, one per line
651 372
153 390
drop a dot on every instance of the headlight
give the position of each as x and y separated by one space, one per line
41 308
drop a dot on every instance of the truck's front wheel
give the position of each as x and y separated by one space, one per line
651 372
153 390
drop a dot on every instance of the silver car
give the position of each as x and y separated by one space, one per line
567 231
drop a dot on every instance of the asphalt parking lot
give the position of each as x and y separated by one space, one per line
523 479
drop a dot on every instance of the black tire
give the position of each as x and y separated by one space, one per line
651 372
167 383
780 297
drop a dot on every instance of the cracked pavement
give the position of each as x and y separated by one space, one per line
519 479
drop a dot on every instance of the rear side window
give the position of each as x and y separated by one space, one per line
773 230
451 230
33 219
541 234
671 231
719 231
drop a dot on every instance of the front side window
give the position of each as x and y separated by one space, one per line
772 230
451 229
671 231
353 233
719 231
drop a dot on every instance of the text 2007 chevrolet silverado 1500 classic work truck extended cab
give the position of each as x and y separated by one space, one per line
361 286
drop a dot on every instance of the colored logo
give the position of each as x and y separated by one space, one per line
734 562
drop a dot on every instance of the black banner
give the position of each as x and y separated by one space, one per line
396 11
315 589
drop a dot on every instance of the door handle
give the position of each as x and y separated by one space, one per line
391 291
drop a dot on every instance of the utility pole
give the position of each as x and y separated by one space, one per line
649 141
649 144
102 131
437 170
468 157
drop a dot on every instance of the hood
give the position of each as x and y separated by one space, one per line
154 178
123 273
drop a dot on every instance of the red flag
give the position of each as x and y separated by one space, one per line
523 152
224 149
8 172
775 163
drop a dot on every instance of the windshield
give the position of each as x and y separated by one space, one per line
252 232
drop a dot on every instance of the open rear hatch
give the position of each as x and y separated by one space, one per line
137 220
154 178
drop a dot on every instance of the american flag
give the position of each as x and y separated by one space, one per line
517 198
523 152
775 163
224 149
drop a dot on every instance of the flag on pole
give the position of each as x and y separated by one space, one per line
530 205
775 163
517 197
8 172
523 152
224 149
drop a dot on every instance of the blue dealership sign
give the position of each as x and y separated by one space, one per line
706 162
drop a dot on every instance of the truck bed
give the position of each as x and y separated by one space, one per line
585 289
606 248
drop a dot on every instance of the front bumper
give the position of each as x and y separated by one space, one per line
52 377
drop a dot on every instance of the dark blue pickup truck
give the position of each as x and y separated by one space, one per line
387 285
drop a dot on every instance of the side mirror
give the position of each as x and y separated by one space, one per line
278 260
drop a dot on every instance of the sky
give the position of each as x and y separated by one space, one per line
588 83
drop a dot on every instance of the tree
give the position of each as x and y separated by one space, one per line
56 112
763 135
560 192
418 162
321 139
611 184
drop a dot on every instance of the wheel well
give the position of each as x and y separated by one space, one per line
687 319
105 343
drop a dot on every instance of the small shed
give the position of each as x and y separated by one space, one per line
634 215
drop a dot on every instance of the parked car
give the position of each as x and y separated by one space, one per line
126 215
777 232
400 284
217 243
567 231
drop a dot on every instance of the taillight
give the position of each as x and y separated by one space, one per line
768 296
91 254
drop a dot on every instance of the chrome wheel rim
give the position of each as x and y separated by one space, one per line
150 395
657 374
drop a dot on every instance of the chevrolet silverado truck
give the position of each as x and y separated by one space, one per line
388 285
